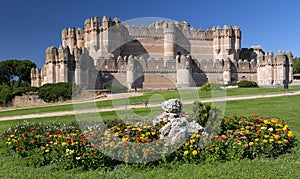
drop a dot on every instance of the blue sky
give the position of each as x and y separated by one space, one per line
29 27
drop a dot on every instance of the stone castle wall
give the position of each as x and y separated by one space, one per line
163 54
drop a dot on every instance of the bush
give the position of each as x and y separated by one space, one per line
22 90
247 84
58 92
6 95
210 87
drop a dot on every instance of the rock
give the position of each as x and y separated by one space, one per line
179 130
172 106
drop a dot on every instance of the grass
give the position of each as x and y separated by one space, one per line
287 166
150 97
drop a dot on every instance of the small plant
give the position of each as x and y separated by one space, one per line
247 84
210 87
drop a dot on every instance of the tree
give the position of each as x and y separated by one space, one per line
16 73
296 66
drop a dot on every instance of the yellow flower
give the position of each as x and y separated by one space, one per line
285 127
198 135
285 141
185 152
47 151
147 133
242 129
63 144
12 135
194 152
143 135
116 134
290 134
124 139
8 143
257 139
192 141
118 129
266 121
265 141
274 121
153 133
247 131
266 136
279 142
271 140
251 143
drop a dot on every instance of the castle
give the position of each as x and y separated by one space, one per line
165 54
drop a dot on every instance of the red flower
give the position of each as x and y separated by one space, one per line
137 132
24 134
33 141
255 115
32 129
68 141
257 133
83 155
18 149
82 137
58 131
63 132
125 155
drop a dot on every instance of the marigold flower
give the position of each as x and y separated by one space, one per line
279 142
251 143
124 139
47 150
266 136
256 140
186 152
153 133
290 134
271 140
18 149
265 141
63 144
194 152
285 141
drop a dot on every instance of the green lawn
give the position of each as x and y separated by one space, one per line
151 97
287 166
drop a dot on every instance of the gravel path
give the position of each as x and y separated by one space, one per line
64 113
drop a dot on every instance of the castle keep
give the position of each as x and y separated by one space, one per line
165 54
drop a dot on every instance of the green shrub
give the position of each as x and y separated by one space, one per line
202 112
22 90
247 84
58 92
210 87
6 95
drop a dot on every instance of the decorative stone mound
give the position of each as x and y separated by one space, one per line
178 128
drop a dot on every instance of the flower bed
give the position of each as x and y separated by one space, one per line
123 142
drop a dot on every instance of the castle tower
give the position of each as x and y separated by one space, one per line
237 40
77 53
260 68
270 69
63 57
68 37
281 67
291 63
169 39
227 71
217 40
131 71
80 37
183 64
51 56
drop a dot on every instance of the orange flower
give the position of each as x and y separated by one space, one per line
68 141
137 132
18 149
138 139
85 142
